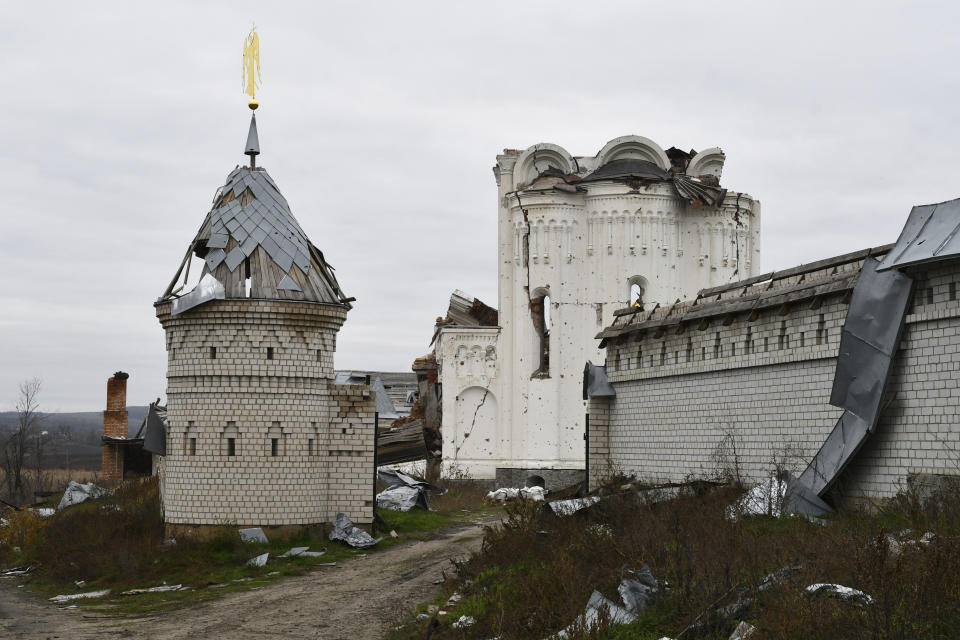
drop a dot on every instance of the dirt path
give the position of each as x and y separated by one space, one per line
357 600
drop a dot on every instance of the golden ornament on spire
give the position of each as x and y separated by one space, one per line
251 67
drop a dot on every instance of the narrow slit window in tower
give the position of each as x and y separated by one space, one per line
213 353
269 353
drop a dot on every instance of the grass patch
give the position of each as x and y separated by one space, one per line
118 543
535 572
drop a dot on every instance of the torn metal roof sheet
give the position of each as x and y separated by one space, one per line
930 234
595 383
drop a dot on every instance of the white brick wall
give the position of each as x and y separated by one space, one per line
290 397
752 407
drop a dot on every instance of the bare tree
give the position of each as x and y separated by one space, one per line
15 446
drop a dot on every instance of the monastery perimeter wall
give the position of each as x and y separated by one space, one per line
745 395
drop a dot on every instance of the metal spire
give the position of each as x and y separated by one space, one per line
253 142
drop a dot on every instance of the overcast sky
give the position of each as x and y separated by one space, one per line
380 123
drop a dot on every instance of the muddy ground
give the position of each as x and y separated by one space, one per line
357 600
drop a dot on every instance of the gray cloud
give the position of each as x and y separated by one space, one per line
380 123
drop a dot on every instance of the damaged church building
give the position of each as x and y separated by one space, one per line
578 238
259 432
843 371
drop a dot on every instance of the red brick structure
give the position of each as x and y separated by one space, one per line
114 426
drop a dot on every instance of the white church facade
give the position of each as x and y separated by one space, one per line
578 239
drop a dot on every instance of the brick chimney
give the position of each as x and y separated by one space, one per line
114 426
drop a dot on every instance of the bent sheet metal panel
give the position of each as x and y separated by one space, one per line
595 383
209 288
932 232
871 335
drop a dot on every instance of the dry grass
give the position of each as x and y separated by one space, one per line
536 571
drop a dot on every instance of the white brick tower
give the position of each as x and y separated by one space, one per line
258 434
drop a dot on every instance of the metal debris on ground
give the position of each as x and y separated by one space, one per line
77 596
160 589
77 493
639 590
897 542
569 507
779 495
345 531
463 622
13 572
743 631
840 592
510 493
295 551
254 534
591 614
259 561
43 512
403 491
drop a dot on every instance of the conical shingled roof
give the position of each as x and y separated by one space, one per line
255 248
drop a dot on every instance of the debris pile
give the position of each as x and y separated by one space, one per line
77 493
345 531
403 492
510 493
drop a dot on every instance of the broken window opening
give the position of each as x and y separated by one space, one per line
310 447
748 343
213 353
716 346
231 447
929 295
821 325
663 353
269 353
193 446
703 353
274 446
540 314
953 291
802 338
781 339
733 348
689 349
246 279
766 343
616 360
640 356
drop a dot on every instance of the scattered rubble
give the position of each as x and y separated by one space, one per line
254 534
463 622
639 590
43 512
77 493
259 561
13 572
841 592
569 507
899 541
77 596
345 531
743 631
403 492
159 589
510 493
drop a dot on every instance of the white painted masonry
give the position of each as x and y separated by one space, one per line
581 245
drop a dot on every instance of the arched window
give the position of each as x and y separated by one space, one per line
540 313
636 291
